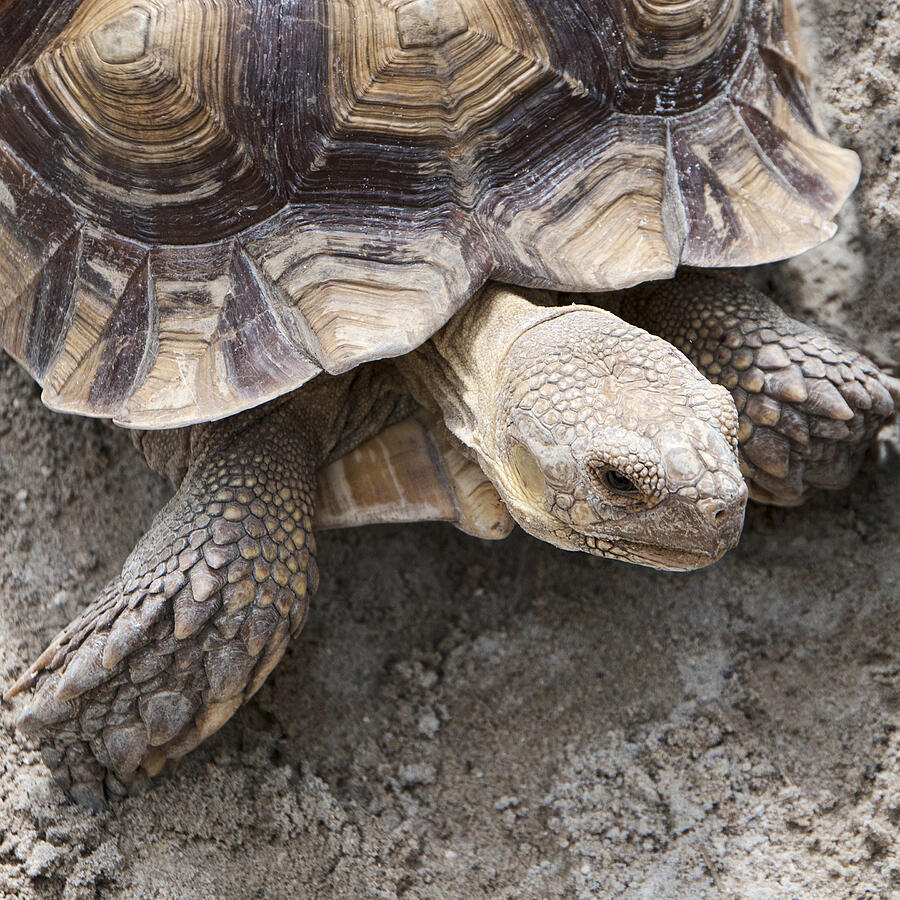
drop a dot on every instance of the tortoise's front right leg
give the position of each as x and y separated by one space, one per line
809 403
201 613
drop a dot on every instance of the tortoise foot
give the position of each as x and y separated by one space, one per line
809 403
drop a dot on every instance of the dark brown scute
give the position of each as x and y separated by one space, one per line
51 305
26 22
257 354
130 334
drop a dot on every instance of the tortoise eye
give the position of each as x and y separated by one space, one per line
619 482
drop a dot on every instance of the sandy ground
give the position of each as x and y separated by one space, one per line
471 720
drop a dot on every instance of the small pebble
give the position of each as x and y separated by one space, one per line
417 773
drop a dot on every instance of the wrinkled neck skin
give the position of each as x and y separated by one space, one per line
458 371
598 436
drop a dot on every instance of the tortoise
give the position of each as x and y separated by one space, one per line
270 237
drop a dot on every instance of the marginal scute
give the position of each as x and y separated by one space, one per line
353 294
50 305
738 210
129 339
771 98
258 356
594 227
37 232
109 313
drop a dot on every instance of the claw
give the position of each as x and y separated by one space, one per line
45 709
23 682
84 670
126 747
824 400
126 636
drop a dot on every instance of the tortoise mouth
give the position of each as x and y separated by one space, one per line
672 559
660 556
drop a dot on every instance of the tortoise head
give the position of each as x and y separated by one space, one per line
608 440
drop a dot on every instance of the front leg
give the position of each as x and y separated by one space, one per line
809 403
200 614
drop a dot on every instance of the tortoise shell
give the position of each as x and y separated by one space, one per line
204 204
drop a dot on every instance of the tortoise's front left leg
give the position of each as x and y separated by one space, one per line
200 614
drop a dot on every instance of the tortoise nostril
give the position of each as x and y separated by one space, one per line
713 508
719 511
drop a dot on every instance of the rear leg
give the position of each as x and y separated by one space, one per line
809 403
202 611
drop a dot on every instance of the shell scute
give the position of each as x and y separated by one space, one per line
149 110
357 290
